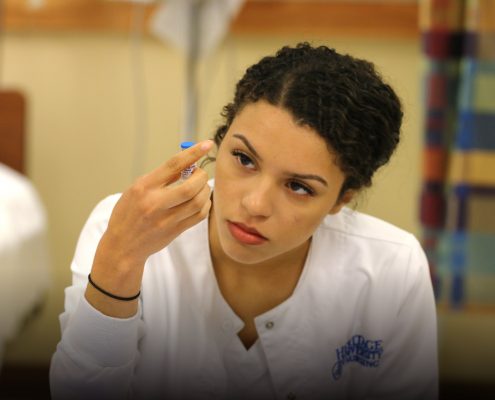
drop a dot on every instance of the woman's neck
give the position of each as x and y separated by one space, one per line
281 271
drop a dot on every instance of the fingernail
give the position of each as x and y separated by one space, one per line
207 145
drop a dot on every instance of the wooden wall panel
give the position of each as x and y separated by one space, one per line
12 130
381 18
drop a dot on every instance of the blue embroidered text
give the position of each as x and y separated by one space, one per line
358 349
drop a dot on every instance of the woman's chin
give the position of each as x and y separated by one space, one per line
242 254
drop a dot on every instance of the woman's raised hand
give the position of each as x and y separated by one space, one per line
152 213
149 215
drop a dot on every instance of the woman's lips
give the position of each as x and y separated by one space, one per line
245 234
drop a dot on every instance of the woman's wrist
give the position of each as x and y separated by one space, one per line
121 283
112 295
109 306
116 274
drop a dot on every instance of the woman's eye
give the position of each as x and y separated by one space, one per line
298 188
243 159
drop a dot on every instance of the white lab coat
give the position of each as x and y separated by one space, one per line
360 324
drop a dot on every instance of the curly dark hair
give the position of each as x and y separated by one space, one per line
342 98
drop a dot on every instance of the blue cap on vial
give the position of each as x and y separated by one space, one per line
186 145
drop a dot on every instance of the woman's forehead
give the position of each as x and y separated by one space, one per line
274 131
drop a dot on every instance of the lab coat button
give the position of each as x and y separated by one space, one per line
291 396
269 325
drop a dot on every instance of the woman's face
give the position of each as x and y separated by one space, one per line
275 177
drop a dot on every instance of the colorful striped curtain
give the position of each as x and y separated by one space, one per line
458 194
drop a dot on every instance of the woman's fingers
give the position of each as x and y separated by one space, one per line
194 205
195 218
173 196
150 213
170 170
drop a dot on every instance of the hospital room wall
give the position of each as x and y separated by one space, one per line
83 110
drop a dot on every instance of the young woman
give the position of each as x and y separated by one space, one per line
259 284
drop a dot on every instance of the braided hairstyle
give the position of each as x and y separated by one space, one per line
340 97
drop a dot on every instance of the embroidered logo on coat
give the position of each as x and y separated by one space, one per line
358 349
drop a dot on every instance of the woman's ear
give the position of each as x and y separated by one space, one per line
346 198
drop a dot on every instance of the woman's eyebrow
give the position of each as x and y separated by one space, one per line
248 144
309 176
291 174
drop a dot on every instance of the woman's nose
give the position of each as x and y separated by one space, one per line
258 200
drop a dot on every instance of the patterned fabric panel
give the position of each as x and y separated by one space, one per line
458 195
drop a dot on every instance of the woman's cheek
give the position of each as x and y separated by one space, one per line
302 222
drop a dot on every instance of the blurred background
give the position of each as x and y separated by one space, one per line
94 93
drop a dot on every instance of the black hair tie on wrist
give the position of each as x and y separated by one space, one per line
113 296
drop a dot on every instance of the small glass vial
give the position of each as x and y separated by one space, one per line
186 173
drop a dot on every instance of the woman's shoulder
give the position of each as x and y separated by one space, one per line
366 244
361 226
